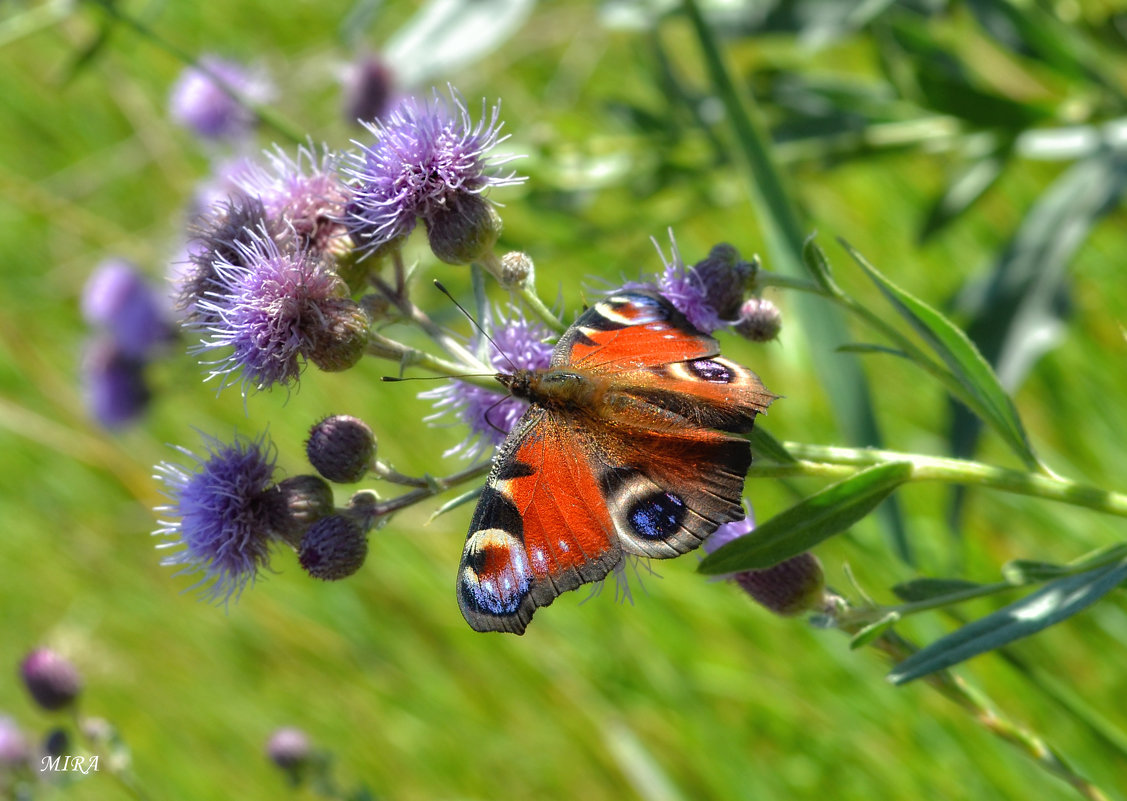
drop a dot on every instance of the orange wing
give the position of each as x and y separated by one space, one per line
542 527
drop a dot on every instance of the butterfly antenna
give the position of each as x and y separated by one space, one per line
475 323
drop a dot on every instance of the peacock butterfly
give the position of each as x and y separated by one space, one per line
618 453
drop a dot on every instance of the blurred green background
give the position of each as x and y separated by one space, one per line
690 691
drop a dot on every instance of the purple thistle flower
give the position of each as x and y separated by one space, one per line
217 235
270 307
710 292
117 297
201 104
305 194
489 413
14 749
425 158
114 384
223 510
686 291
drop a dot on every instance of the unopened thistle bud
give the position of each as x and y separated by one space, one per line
52 680
516 269
334 548
368 89
465 231
296 503
759 320
290 750
725 279
788 588
341 448
341 341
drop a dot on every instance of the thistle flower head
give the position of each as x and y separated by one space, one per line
333 548
118 299
305 194
216 235
14 749
222 514
113 382
271 307
425 157
368 87
201 101
710 292
490 414
50 679
759 320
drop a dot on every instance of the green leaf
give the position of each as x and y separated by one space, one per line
454 503
1028 571
1016 314
866 347
983 391
1056 601
873 630
819 266
804 525
766 446
968 185
925 589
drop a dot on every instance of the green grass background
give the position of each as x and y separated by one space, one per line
688 692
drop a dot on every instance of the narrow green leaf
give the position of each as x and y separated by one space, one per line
766 446
1028 571
866 347
1051 604
983 390
804 525
925 589
819 266
968 185
873 630
454 503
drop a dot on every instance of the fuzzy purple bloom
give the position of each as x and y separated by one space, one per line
707 293
490 414
223 509
118 298
304 194
202 105
426 156
289 747
14 749
270 307
114 384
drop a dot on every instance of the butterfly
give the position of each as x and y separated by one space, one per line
618 453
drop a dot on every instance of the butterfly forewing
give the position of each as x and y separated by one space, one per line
541 527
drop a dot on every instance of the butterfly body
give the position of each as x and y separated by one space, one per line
617 453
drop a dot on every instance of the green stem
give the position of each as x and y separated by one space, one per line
835 462
386 348
264 114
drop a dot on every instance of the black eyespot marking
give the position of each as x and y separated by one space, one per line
657 516
714 372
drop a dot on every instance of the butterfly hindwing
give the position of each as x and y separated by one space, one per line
540 529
